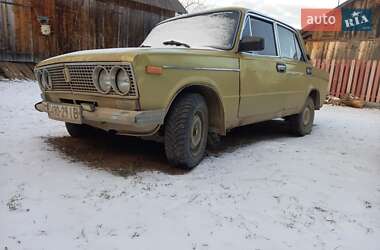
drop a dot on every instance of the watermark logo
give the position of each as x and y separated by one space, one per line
357 19
336 20
321 19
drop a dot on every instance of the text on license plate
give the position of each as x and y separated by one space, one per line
65 112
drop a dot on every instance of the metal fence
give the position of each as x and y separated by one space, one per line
360 78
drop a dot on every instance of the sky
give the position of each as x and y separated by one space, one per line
283 10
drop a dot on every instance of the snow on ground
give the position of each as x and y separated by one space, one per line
266 190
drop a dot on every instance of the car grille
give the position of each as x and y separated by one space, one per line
81 78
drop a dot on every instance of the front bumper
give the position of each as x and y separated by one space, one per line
122 121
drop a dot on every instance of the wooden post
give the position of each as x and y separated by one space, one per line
345 77
359 83
331 74
340 78
350 78
335 79
376 85
371 83
365 80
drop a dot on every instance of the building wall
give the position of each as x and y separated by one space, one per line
75 25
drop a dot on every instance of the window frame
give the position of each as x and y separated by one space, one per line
275 23
296 42
264 19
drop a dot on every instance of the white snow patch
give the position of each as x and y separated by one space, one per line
280 192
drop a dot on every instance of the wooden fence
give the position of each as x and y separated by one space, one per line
360 78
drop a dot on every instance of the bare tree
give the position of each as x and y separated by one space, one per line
193 5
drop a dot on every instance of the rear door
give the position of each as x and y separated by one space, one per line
296 68
262 81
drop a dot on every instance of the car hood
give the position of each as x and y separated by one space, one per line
125 54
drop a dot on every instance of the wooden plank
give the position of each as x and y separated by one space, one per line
318 63
351 76
365 79
331 74
328 66
378 96
360 79
370 82
345 78
335 79
356 76
340 78
322 64
376 82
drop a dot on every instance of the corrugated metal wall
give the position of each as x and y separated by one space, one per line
75 25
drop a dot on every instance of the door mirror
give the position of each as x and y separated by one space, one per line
251 43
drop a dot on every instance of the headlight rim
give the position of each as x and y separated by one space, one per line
96 77
38 76
114 72
46 80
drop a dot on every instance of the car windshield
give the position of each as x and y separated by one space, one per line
215 30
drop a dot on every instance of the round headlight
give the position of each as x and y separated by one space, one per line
46 80
102 80
121 83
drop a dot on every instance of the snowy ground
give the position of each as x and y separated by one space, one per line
264 190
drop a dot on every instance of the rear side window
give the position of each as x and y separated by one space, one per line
289 45
265 30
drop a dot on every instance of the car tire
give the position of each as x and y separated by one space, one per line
79 130
186 130
302 124
214 141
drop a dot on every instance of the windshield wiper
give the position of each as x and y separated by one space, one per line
176 43
145 46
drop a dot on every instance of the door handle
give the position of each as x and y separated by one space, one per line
281 67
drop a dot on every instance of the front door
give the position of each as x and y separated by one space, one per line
262 75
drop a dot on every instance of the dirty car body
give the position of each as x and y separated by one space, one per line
194 76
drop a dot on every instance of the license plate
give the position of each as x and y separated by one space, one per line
65 112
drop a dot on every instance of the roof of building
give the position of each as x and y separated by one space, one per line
173 5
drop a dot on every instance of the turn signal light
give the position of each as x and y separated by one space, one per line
154 70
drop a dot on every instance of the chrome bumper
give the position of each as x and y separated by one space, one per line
117 116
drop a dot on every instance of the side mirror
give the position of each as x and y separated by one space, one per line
252 43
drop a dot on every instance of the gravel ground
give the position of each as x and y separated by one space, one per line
263 190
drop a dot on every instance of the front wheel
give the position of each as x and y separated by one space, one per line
186 130
302 124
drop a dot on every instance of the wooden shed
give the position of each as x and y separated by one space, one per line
32 30
352 58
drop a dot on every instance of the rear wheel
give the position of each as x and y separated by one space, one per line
302 124
79 130
186 130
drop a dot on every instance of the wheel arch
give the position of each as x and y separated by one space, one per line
316 96
213 101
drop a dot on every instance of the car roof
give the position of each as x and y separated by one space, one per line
240 9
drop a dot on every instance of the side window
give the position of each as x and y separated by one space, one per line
298 49
265 30
247 29
288 44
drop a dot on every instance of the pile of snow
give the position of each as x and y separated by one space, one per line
276 192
